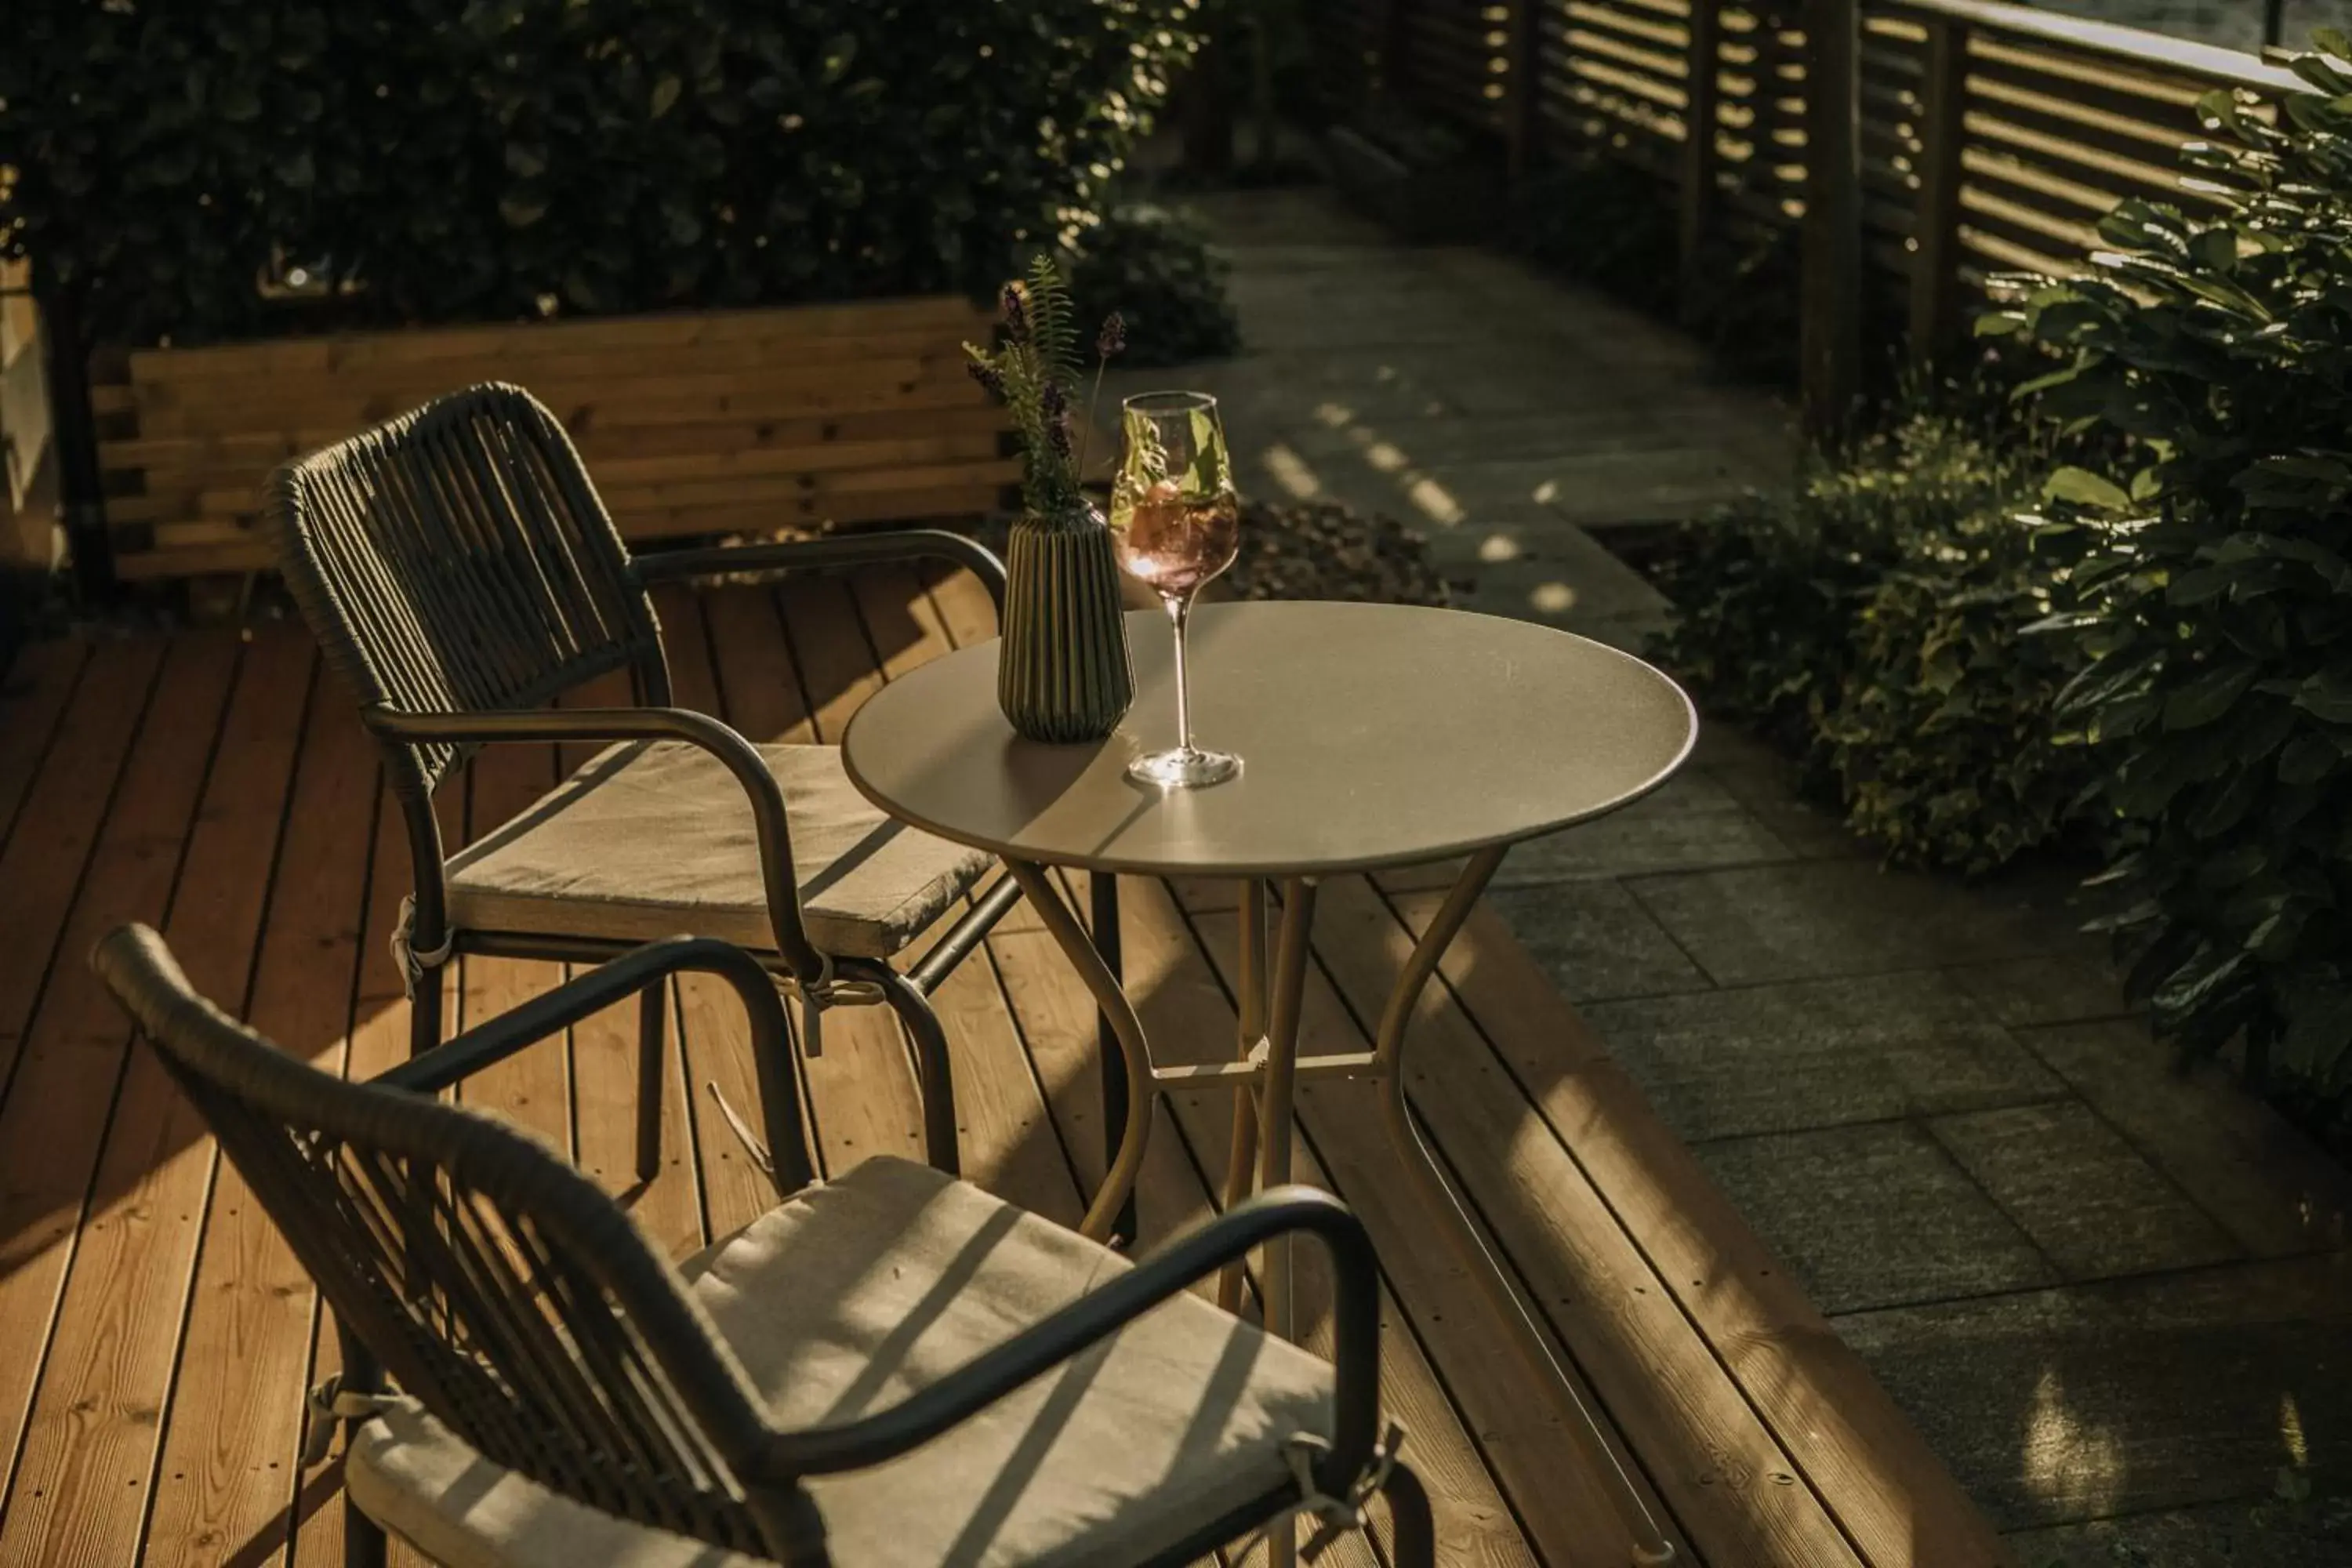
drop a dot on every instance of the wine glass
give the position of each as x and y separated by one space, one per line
1176 523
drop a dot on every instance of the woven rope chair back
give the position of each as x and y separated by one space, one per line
458 559
495 1285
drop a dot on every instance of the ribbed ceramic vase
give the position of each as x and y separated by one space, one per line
1064 674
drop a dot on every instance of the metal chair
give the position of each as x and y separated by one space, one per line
892 1367
459 571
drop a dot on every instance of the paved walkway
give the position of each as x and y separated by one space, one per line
2112 1297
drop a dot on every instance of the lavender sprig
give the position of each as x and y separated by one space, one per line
1109 341
1016 314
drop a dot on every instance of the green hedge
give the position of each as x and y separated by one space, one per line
467 159
1871 622
1157 271
2215 607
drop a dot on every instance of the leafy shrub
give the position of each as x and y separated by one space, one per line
2216 601
1597 219
1156 270
491 159
1870 625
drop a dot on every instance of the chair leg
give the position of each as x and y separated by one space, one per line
425 1013
364 1545
363 1538
1416 1534
653 1025
932 1071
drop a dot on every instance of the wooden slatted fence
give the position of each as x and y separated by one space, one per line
697 423
1992 137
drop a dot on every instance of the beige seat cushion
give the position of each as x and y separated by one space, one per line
655 838
857 1293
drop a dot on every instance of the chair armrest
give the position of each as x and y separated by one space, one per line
837 549
741 758
922 1417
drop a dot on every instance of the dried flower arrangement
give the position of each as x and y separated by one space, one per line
1033 370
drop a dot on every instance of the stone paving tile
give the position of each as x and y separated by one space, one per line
1817 919
1689 821
2060 989
1600 488
1623 426
2265 1182
2220 1535
1558 573
1593 939
1775 1058
1764 782
1873 1215
2091 1401
2088 1199
1267 395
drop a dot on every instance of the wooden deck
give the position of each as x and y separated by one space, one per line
156 1337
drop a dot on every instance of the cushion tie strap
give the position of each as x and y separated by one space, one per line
411 963
331 1403
1338 1515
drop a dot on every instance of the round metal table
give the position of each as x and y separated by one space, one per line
1370 735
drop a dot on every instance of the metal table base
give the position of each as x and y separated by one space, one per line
1265 1073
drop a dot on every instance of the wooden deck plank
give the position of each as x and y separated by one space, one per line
85 1476
533 1087
378 1042
55 1116
1005 1140
65 811
1691 1428
36 693
714 1042
1868 1463
1519 1440
230 1444
605 1078
862 1093
181 1345
1181 978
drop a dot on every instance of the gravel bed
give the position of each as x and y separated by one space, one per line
1314 549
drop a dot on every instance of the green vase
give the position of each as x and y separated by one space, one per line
1063 676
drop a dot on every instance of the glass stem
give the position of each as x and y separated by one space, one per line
1180 612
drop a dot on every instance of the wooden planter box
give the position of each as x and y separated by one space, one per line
698 422
1456 203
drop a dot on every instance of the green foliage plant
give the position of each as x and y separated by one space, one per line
1033 368
2215 601
490 160
1871 624
1156 270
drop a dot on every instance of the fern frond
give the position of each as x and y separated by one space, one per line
1053 320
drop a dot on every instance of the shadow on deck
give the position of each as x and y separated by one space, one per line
159 1337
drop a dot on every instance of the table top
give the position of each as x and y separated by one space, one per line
1369 735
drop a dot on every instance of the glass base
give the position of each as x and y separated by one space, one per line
1185 767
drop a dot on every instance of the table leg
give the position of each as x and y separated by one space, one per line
1650 1545
1241 1165
1276 1087
1135 1052
1281 1069
1102 920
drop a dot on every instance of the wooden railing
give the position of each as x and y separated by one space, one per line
1976 138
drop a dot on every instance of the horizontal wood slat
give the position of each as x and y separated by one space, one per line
702 422
2043 122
